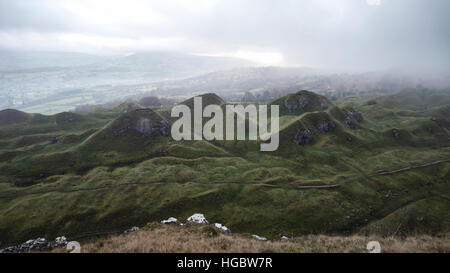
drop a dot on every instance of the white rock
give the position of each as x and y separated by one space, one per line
259 237
222 228
198 218
171 220
284 238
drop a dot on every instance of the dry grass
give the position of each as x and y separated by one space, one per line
198 239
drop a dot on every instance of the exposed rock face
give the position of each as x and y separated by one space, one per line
323 106
165 128
198 218
144 126
223 228
171 220
53 140
291 105
352 118
303 137
371 102
326 126
39 244
128 231
143 121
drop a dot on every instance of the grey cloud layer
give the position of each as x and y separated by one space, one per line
334 33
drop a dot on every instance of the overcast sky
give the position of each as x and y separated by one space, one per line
347 34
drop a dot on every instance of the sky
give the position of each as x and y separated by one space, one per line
334 34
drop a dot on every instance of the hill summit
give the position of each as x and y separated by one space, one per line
302 102
207 99
10 116
132 131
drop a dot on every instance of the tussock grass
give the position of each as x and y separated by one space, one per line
194 239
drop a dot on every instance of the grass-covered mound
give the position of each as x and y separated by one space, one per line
302 102
81 175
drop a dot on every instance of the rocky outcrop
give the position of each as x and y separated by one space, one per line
164 130
222 228
39 244
171 220
128 231
259 238
303 137
200 219
326 126
143 121
323 106
291 105
352 118
197 218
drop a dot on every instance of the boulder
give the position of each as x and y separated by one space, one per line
58 242
39 244
259 238
171 220
128 231
198 218
223 228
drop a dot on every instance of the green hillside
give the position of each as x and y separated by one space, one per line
341 168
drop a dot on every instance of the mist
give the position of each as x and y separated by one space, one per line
340 35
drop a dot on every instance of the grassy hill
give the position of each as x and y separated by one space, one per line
376 169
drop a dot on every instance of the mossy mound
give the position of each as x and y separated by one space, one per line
136 130
12 116
302 102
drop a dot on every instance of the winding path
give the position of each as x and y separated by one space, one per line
410 168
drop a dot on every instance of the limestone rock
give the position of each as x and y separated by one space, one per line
128 231
352 118
197 218
303 137
259 238
326 126
291 105
223 228
171 220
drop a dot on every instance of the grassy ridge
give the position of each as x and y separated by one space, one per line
90 182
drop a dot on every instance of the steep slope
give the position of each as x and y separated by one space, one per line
301 102
135 131
309 118
11 116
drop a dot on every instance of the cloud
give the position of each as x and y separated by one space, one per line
373 2
348 34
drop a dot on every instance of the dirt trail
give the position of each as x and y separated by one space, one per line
165 183
410 168
217 183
